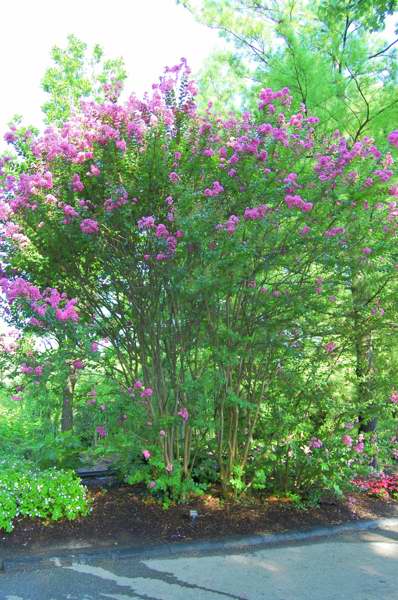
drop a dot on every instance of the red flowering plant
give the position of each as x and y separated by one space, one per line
220 257
382 485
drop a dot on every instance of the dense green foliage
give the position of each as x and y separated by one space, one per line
333 55
49 494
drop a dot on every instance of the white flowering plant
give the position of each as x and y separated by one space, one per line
51 494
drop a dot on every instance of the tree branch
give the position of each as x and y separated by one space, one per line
384 50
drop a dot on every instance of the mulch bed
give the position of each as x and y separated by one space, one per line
126 516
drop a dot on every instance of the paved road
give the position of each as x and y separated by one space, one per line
355 566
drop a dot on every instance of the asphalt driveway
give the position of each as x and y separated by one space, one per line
361 565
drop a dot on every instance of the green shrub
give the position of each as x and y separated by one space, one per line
168 486
50 494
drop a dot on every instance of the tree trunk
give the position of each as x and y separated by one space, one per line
364 368
67 404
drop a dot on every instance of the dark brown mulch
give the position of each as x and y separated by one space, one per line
125 516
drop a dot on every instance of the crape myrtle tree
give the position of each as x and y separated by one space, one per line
74 74
225 260
338 62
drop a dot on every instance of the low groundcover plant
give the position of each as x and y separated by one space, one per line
50 494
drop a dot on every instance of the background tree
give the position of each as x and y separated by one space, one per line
333 55
76 75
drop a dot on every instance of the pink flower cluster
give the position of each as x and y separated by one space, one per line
146 223
230 225
330 347
78 364
145 392
315 443
334 231
89 226
20 288
256 213
215 189
268 96
183 413
28 370
394 397
297 202
101 431
112 204
393 138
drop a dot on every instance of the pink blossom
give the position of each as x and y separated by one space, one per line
330 347
146 454
294 200
89 226
304 230
393 191
40 309
146 393
258 212
169 467
68 313
69 211
394 397
94 347
16 398
151 485
183 413
174 177
215 190
102 407
161 231
146 223
367 251
162 433
121 145
393 138
334 231
315 443
77 185
36 322
94 170
359 447
39 371
78 364
347 440
101 431
138 384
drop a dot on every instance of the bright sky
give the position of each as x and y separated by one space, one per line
148 34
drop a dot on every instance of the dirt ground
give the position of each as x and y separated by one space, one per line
126 516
